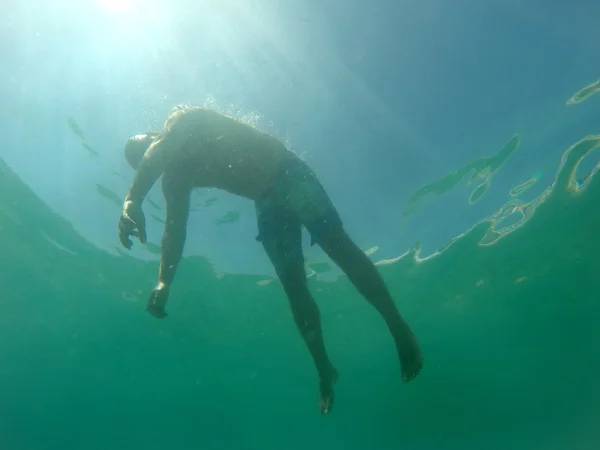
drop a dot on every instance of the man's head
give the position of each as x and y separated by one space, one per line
136 147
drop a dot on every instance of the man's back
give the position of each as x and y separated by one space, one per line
219 151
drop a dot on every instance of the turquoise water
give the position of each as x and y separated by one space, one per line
509 332
458 143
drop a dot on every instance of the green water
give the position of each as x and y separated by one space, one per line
509 333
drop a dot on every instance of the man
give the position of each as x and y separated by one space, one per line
198 147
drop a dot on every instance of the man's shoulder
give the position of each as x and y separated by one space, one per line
180 117
179 112
183 109
190 114
190 120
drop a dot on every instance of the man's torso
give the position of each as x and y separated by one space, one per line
220 152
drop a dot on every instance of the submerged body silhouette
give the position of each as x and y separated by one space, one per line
199 147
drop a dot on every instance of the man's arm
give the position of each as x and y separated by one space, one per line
174 136
154 163
172 248
161 153
178 206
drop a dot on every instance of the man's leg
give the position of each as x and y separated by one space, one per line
366 278
283 244
308 200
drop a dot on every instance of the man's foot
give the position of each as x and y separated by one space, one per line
326 388
157 311
157 301
410 355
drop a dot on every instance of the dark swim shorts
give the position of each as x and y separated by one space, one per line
296 197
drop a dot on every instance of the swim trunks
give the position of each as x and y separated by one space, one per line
296 196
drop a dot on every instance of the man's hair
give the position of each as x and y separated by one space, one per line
136 147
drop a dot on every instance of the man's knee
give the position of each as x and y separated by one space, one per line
310 335
308 319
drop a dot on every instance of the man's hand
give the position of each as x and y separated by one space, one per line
157 301
132 218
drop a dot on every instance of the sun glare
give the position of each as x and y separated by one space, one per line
131 20
117 6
